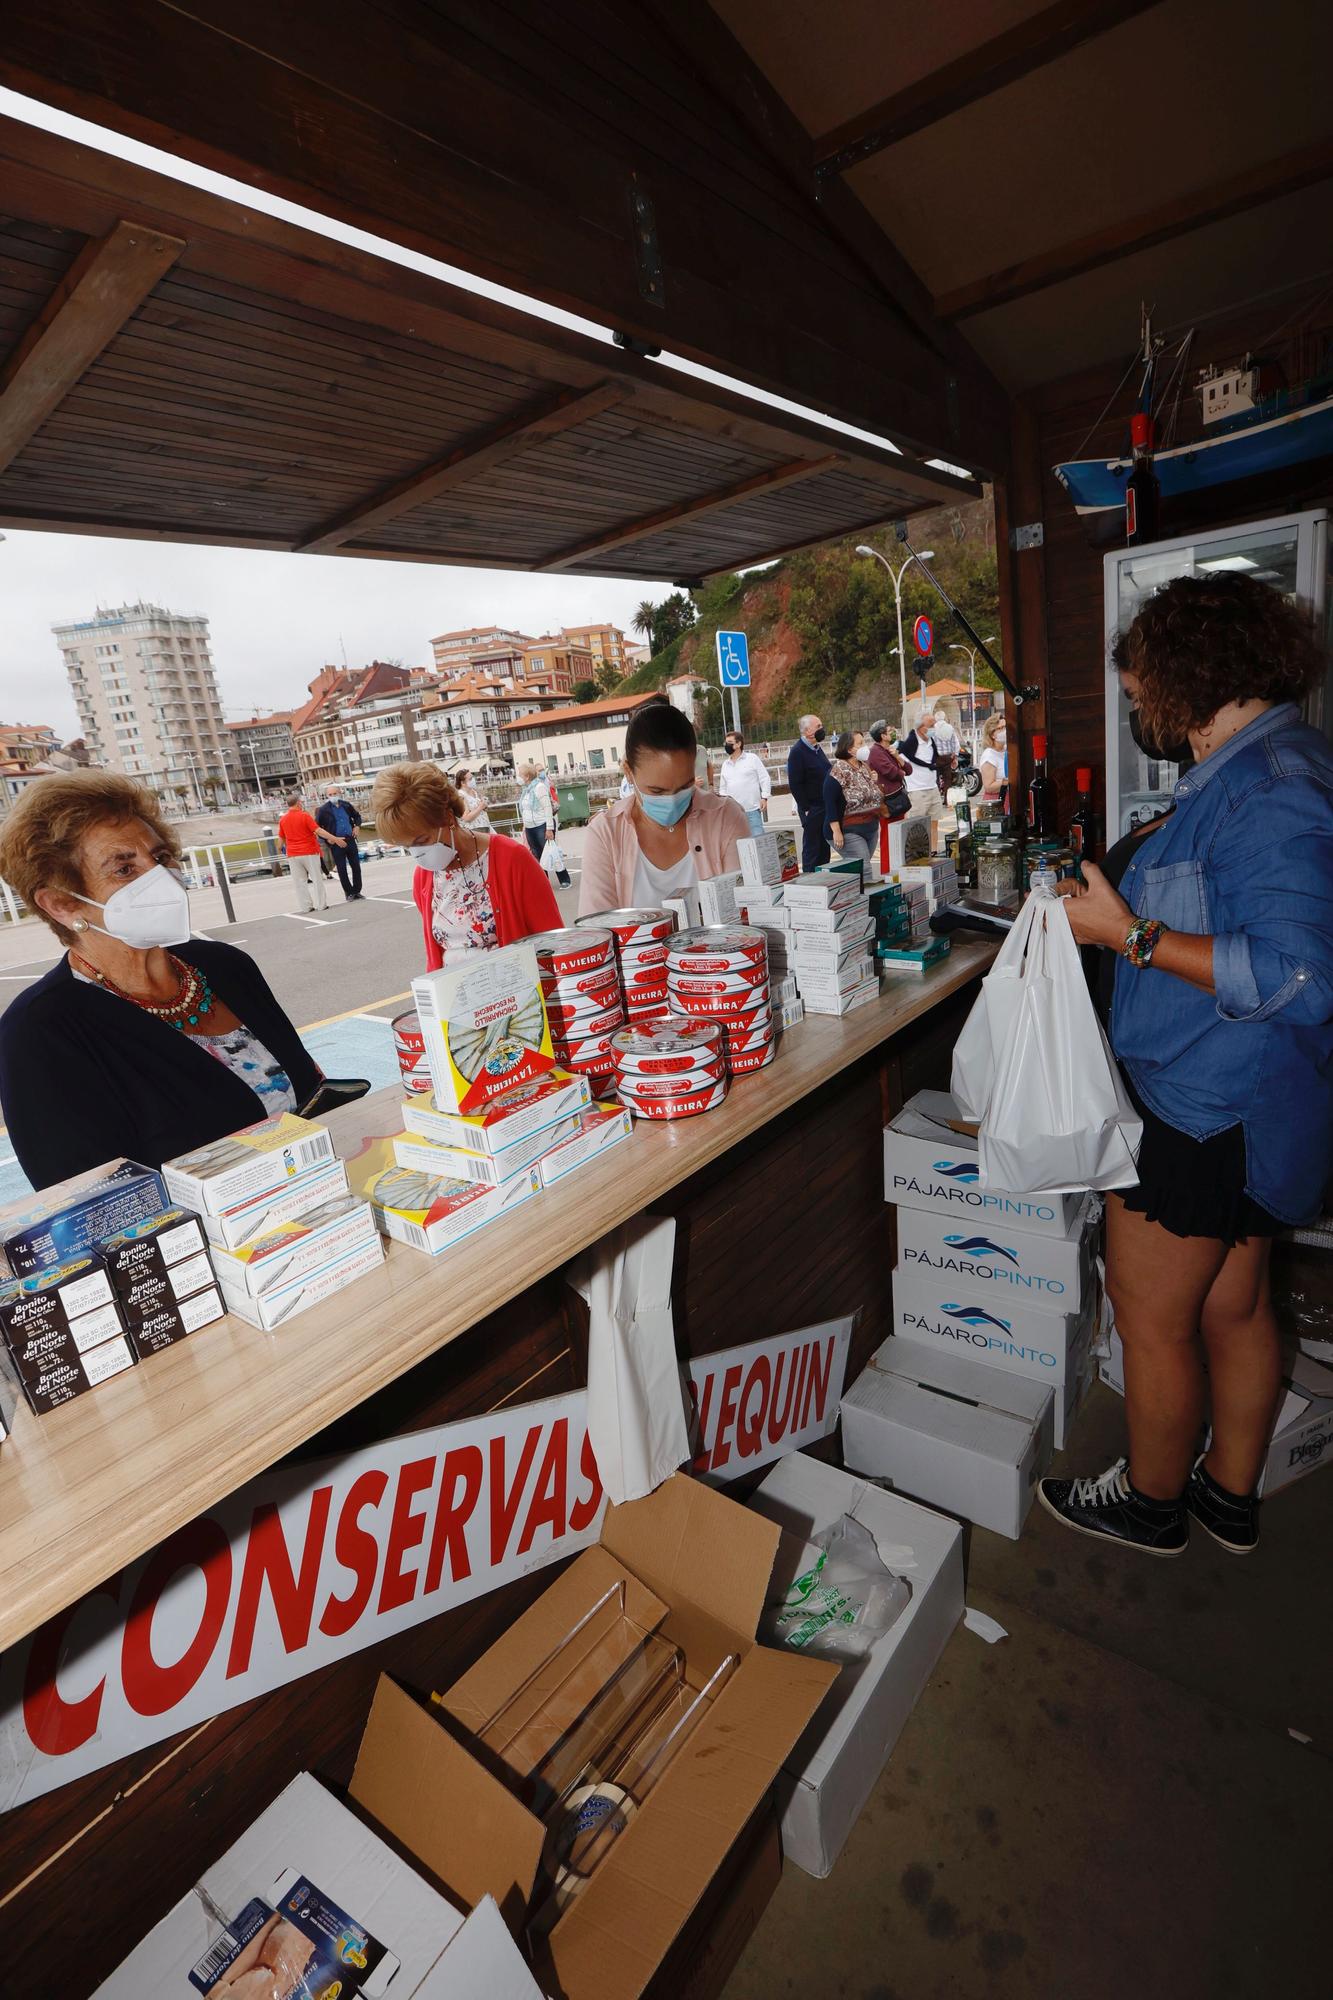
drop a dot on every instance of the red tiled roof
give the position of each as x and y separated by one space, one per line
587 710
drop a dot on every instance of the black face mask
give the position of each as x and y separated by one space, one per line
819 735
732 748
1173 753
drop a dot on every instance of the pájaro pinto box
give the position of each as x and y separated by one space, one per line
929 1165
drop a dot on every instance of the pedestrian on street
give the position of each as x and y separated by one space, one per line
340 819
475 817
302 838
535 811
890 770
947 745
995 759
807 768
744 777
852 803
923 791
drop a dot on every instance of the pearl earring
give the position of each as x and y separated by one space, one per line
79 924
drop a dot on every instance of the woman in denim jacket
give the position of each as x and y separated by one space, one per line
1220 914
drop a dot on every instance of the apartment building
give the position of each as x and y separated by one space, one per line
456 653
606 643
470 728
266 752
145 688
587 736
552 663
324 732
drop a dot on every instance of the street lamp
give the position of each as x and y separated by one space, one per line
916 555
971 652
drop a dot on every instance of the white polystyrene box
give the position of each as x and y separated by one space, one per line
928 1165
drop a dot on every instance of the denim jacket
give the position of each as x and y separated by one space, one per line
1246 857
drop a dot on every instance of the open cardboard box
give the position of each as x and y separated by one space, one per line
696 1569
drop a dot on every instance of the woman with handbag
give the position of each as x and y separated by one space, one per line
852 802
1220 916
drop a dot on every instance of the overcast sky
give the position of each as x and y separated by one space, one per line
276 619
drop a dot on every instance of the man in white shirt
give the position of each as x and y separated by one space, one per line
922 778
744 777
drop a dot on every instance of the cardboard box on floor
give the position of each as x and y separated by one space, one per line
307 1836
696 1568
834 1768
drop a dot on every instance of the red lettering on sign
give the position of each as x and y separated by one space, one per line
700 1464
816 1388
357 1550
777 1425
504 1500
460 1483
550 1500
750 1431
150 1688
56 1726
799 1362
583 1511
726 1411
406 1530
267 1559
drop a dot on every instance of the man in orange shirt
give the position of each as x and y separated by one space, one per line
300 837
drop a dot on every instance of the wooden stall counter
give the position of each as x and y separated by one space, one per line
103 1479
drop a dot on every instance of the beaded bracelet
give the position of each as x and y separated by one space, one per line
1142 941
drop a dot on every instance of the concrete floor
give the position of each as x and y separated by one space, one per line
1107 1805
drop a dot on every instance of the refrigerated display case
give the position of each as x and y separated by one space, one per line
1291 552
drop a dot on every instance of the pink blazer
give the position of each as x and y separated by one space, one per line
611 850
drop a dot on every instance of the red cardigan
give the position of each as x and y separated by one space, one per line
521 896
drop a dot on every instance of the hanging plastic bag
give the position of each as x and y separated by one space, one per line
843 1599
637 1420
553 857
1034 1069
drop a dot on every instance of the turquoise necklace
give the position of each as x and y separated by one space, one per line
193 999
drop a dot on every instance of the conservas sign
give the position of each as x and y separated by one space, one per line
309 1564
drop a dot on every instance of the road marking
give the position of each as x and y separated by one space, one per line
399 902
21 977
320 923
354 1013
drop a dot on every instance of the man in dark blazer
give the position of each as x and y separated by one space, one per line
339 817
807 768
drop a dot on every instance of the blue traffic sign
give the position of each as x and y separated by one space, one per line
923 636
733 659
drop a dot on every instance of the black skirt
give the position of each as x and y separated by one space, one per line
1195 1187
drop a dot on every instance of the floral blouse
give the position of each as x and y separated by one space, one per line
462 917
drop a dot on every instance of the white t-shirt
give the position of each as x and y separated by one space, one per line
999 764
652 883
745 779
915 777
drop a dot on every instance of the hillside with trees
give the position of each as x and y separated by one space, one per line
821 623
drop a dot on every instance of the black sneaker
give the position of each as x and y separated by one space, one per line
1232 1519
1110 1508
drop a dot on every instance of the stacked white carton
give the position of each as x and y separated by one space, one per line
829 946
283 1228
762 905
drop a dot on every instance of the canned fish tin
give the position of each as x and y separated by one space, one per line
630 927
580 989
648 1017
575 1023
752 979
717 947
644 979
742 1006
672 1050
707 1099
745 1040
638 957
652 1088
410 1044
572 949
744 1062
591 1055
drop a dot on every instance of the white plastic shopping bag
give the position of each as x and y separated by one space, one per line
553 857
1034 1069
637 1421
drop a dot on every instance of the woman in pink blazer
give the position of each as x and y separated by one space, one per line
668 835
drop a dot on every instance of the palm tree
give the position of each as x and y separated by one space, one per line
642 621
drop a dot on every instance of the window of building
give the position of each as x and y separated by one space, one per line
597 760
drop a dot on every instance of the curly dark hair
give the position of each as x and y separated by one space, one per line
1202 641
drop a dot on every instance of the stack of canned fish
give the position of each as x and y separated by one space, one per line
671 1069
581 987
641 954
719 972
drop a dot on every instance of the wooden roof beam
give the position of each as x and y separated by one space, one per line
975 74
1286 175
553 414
690 510
107 281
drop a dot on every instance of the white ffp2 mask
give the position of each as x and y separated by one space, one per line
436 855
150 912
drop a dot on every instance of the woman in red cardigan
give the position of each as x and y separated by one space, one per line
474 890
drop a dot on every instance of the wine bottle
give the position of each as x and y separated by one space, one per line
1080 823
1041 794
1143 494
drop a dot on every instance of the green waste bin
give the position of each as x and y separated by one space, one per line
574 808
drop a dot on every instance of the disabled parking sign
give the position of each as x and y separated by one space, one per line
733 659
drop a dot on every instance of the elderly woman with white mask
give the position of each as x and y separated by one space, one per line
141 1040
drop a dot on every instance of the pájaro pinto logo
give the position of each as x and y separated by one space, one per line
974 1316
982 1245
958 1170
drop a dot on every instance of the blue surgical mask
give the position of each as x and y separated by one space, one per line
672 806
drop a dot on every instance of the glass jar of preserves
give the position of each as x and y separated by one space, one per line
997 864
1051 855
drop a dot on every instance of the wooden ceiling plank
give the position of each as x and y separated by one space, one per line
1201 206
102 287
688 510
974 74
467 461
